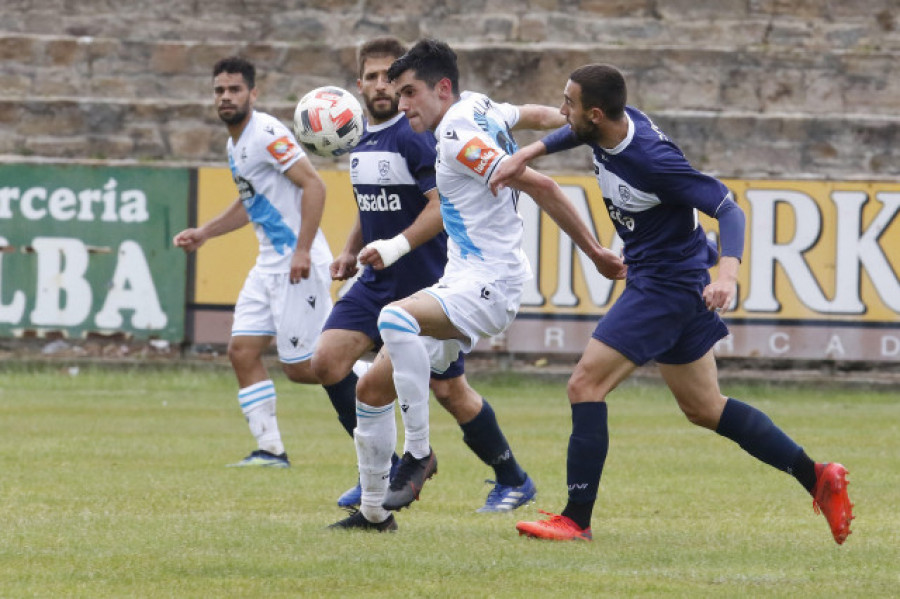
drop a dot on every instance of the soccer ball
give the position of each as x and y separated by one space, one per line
328 121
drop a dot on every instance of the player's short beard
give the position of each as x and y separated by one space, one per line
237 117
382 115
586 132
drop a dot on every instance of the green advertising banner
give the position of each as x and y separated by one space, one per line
89 249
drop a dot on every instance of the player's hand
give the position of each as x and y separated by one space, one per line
719 295
344 267
189 239
508 169
381 253
300 265
610 264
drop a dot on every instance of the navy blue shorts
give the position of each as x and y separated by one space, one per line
358 310
662 319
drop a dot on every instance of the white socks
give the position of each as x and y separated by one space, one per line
375 436
258 405
412 373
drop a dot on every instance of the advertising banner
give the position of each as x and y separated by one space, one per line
820 277
89 249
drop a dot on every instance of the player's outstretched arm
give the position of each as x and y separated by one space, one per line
381 253
513 166
537 116
232 218
547 194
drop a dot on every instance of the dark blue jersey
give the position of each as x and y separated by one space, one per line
391 168
652 195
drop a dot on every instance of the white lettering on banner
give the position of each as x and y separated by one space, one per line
554 336
725 345
764 252
835 348
13 311
531 245
890 346
856 248
61 265
779 343
599 287
64 297
63 204
132 289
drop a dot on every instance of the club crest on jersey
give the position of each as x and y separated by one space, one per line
477 156
282 149
625 194
384 169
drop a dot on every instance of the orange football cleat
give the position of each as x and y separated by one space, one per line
830 498
554 528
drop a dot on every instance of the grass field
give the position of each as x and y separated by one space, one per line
112 485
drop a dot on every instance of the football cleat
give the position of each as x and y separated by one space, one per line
357 521
506 498
554 528
408 480
264 458
830 499
352 497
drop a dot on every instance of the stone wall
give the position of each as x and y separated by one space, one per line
747 87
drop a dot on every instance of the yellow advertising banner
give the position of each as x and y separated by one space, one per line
819 256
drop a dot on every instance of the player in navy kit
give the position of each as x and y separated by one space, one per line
669 310
399 238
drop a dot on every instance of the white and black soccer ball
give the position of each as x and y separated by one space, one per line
328 121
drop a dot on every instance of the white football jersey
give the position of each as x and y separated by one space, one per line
485 230
258 160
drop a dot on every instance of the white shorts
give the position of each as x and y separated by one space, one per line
477 308
269 305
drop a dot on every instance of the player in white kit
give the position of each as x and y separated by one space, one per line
286 295
480 292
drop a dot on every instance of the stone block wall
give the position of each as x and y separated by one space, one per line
746 87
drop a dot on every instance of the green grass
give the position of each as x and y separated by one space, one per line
112 485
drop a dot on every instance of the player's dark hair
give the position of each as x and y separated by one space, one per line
236 64
379 47
431 61
603 87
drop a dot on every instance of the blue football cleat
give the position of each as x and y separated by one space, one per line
506 498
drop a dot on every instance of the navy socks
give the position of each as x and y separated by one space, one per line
343 397
483 436
588 446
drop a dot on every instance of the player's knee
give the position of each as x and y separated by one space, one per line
699 414
327 369
394 323
374 392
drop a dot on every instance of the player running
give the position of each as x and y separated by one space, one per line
399 238
480 290
669 310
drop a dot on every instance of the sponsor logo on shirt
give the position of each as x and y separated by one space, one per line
477 156
282 149
378 202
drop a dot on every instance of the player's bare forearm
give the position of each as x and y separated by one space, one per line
719 295
547 194
537 116
513 166
232 218
428 223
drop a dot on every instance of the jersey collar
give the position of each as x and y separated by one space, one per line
388 123
624 143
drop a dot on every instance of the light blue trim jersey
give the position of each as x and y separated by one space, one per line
258 160
391 168
652 195
485 230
